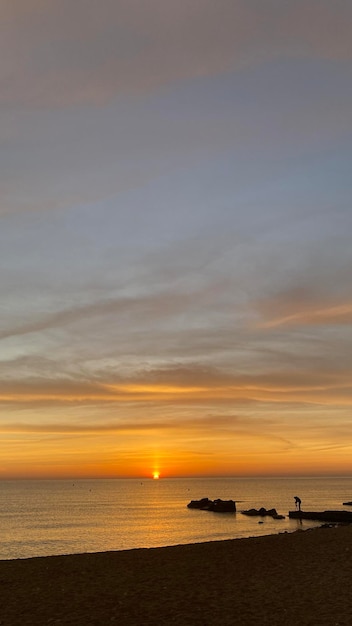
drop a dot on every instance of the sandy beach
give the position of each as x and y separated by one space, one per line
288 579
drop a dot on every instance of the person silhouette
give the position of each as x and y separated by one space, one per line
298 503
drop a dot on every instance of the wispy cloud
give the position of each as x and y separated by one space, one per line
225 423
187 386
334 314
143 307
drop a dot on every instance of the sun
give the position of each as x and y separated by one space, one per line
156 475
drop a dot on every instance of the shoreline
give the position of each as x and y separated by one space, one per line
288 579
302 528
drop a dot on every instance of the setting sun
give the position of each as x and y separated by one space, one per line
156 475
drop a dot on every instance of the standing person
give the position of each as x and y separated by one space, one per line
298 503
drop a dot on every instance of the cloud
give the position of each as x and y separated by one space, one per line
60 53
177 430
226 423
334 314
192 387
146 308
302 307
61 157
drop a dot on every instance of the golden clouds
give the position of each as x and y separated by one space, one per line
306 386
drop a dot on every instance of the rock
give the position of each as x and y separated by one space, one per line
347 503
250 512
217 506
204 504
262 512
224 506
323 516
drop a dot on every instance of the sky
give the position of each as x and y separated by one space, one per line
175 238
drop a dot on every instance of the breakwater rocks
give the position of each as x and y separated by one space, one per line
323 516
217 506
262 512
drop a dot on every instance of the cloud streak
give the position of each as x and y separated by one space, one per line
325 314
188 387
149 306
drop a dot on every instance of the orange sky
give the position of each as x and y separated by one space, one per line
233 428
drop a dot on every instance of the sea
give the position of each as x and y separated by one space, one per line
51 517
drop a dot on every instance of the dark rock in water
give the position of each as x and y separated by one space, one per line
251 512
217 506
262 512
323 516
347 503
224 506
204 504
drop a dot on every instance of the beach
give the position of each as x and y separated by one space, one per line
288 579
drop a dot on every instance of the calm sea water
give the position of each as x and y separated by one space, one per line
40 518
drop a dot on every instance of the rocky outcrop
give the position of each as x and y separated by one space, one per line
224 506
218 506
323 516
347 503
203 504
262 512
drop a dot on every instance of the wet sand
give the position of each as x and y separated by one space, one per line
288 580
